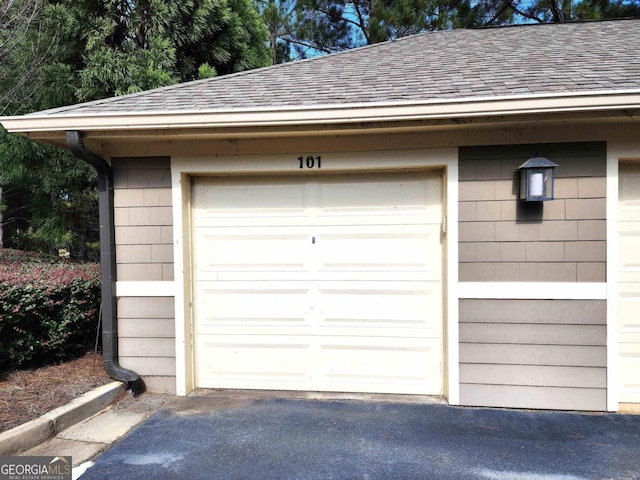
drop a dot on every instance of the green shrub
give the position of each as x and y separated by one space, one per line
48 308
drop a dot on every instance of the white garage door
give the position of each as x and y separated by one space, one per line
325 283
629 284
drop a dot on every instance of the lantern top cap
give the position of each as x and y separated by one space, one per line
538 162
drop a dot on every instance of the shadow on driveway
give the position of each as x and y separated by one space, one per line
302 439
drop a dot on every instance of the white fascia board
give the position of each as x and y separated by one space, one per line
328 114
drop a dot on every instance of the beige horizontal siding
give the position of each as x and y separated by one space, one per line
152 366
533 375
143 219
146 347
145 272
140 328
129 202
522 272
160 384
144 252
146 307
533 397
146 340
568 355
535 334
533 353
566 312
504 239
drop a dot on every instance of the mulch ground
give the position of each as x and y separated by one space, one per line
28 394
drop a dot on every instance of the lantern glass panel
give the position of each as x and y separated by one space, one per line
536 179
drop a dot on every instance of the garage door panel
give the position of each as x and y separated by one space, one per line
351 276
234 362
629 284
396 192
279 195
359 366
316 219
247 307
334 285
336 312
356 364
329 194
405 247
398 250
262 252
628 376
628 308
213 331
629 243
384 308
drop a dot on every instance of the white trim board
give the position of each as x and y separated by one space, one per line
452 328
145 289
614 152
533 290
181 247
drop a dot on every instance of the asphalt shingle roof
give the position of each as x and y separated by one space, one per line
492 62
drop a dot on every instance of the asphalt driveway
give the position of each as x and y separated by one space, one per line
305 439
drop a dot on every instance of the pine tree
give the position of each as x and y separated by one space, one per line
312 27
67 51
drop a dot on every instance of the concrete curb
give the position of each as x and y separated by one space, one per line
33 433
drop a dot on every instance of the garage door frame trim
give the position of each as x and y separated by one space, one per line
183 168
617 153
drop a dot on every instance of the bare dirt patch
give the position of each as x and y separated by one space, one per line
28 394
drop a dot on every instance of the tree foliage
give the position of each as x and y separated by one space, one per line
61 52
278 17
309 27
50 201
487 12
135 46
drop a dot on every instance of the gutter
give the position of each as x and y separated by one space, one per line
132 380
274 116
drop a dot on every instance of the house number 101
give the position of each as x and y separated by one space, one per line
310 162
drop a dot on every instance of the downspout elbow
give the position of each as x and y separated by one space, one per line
132 380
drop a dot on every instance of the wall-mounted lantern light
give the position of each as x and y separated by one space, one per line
536 179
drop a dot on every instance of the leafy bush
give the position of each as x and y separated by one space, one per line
48 308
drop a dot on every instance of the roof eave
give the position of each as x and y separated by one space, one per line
43 126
